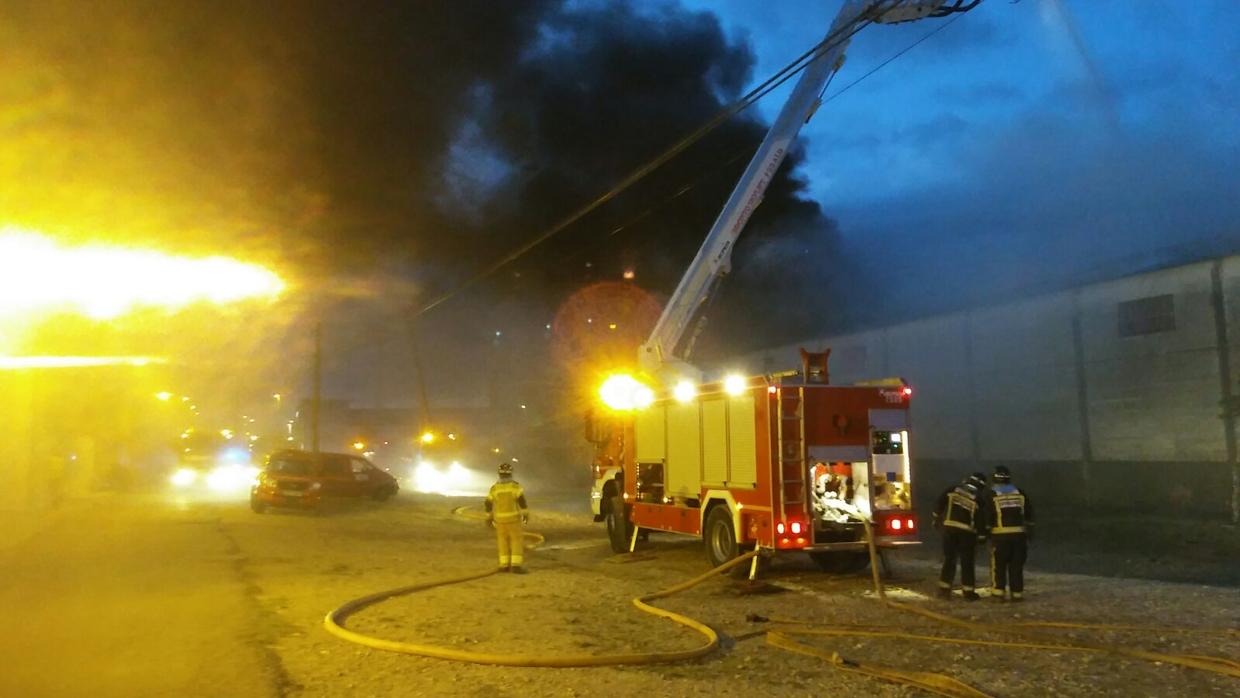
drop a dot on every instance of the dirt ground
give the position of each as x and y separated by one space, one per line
577 599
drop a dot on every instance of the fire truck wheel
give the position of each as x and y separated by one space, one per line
841 562
257 505
719 536
619 530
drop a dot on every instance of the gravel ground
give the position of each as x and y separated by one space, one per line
577 600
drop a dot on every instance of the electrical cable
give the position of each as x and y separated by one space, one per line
896 55
755 94
766 87
787 72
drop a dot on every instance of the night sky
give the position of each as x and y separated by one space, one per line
1097 138
379 153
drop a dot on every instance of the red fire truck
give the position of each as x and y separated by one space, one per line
785 461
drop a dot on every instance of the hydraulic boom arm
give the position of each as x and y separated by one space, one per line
658 356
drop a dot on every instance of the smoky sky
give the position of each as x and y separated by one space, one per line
386 151
1027 147
407 144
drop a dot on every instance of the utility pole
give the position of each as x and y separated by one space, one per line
424 402
316 401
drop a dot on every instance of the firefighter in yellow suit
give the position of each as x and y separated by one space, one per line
507 511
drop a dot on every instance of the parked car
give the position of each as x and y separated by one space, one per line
303 479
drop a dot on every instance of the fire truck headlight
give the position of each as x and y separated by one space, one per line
624 392
734 384
685 391
642 397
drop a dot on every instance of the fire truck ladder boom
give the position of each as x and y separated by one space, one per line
713 260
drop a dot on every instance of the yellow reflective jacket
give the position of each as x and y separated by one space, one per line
506 501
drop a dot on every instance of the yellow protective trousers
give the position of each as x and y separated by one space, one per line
511 545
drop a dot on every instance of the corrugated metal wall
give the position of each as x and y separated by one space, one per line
1111 394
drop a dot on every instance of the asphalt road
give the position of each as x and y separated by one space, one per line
139 595
132 596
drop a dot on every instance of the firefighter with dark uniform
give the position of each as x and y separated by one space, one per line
959 515
506 512
1009 522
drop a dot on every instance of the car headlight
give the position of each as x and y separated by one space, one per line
183 477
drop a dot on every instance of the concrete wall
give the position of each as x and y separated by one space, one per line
1086 409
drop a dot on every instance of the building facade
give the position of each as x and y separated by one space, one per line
1122 395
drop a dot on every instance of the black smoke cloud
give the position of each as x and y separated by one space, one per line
470 156
414 141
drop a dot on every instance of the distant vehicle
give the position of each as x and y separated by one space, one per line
302 479
208 462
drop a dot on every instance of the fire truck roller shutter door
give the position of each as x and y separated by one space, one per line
650 434
742 442
714 442
684 451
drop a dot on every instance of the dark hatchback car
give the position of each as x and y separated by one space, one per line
304 479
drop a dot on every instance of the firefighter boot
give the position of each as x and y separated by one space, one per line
970 595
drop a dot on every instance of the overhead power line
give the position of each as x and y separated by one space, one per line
751 97
779 78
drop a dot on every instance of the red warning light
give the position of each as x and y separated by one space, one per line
907 391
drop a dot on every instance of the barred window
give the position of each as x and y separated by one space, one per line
1147 316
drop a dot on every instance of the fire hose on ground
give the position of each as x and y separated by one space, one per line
334 622
1031 635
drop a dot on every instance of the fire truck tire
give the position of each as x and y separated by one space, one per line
844 562
719 538
257 505
619 530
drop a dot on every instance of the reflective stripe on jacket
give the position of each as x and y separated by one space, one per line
958 508
506 501
1009 510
